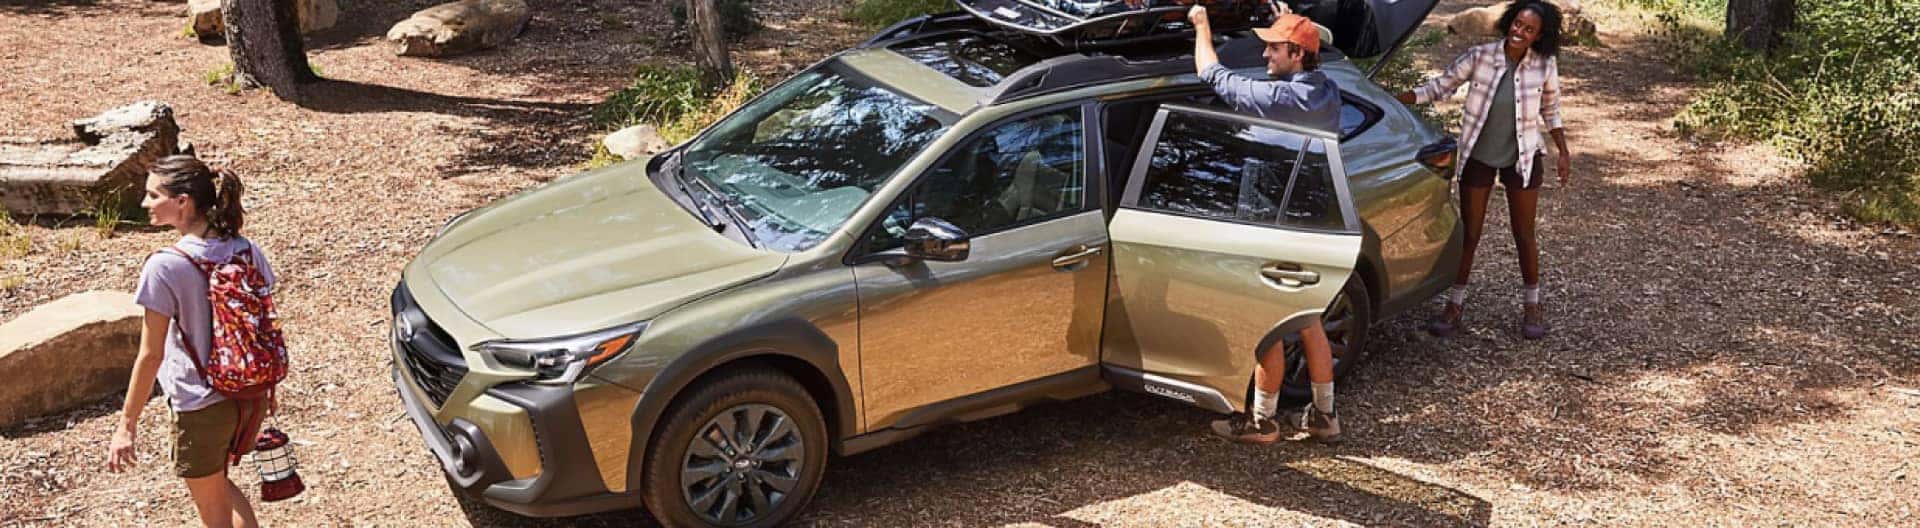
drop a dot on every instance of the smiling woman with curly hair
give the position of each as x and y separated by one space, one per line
1515 94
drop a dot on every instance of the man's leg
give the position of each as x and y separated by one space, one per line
1320 420
1257 425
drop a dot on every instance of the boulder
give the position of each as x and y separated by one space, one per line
459 27
314 15
67 353
1483 21
635 142
106 166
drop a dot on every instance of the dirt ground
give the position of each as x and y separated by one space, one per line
1727 350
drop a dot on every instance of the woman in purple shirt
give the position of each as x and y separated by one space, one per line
204 207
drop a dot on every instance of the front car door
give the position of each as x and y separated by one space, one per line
1232 231
1024 305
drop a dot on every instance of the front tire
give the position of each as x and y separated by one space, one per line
745 449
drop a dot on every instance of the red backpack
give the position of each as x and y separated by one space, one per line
249 357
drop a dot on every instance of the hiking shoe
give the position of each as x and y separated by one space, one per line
1533 322
1322 427
1248 429
1448 322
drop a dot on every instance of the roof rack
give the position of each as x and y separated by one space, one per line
1070 65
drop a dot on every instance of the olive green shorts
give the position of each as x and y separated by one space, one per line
202 438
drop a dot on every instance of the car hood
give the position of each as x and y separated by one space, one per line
598 249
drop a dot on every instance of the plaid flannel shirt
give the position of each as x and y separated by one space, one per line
1536 96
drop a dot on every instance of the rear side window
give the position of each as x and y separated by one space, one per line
1218 168
1312 201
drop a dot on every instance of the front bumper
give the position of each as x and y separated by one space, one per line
568 483
566 480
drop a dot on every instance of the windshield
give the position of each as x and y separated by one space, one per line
795 163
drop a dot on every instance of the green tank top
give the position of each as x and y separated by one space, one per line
1499 144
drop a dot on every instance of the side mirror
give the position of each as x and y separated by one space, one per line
937 240
1439 157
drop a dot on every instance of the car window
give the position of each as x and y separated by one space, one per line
1312 201
1356 116
1219 168
1018 172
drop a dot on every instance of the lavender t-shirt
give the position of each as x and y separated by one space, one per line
172 285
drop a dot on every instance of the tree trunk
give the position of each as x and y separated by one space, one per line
709 43
1759 24
264 38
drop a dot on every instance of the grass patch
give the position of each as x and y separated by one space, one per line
877 14
106 215
674 101
15 246
71 244
222 77
1841 93
10 282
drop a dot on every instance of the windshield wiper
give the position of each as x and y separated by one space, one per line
731 205
699 205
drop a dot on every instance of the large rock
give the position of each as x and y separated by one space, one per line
66 353
1484 21
459 27
107 166
314 15
635 142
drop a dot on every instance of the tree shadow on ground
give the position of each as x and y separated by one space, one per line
1092 462
511 133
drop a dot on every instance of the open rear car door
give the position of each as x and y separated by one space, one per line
1233 231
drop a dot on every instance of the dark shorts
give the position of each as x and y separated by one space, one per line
202 438
1477 174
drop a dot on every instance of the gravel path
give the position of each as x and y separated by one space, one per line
1726 351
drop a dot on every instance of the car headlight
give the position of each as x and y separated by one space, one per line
562 359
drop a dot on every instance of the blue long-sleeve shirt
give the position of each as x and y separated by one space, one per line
1305 98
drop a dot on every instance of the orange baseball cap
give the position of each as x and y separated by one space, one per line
1292 28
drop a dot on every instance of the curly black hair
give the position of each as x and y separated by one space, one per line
1549 42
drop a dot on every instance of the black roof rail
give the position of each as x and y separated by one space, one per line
1077 70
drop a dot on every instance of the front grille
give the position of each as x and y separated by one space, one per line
435 377
432 358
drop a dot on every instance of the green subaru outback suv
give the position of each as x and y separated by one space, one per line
947 223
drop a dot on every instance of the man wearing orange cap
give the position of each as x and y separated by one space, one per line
1295 92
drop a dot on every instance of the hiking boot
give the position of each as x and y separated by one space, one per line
1533 322
1247 428
1448 322
1321 426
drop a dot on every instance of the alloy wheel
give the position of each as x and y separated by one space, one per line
742 465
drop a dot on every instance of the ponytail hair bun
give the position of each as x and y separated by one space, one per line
216 194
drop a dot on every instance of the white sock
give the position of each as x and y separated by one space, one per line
1323 397
1265 404
1457 295
1533 294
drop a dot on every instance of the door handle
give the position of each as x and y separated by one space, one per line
1298 277
1073 257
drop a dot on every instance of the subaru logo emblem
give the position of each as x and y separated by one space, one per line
403 327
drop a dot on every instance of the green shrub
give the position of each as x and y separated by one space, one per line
1842 93
674 101
657 95
736 16
882 13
